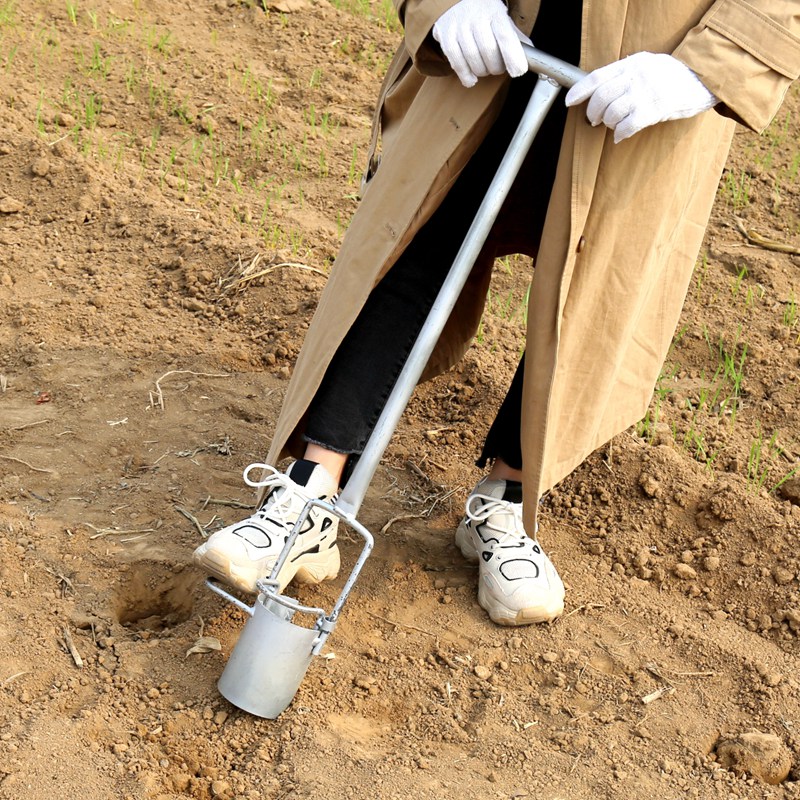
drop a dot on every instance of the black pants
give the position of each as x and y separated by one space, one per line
364 369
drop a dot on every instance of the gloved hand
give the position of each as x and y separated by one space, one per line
640 91
479 38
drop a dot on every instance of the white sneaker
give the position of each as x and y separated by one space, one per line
517 582
246 551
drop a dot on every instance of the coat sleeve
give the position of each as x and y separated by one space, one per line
747 52
417 18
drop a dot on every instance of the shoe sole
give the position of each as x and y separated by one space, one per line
309 568
499 613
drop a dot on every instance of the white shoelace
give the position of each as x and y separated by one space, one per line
280 506
514 536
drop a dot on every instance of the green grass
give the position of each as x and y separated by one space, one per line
736 189
8 13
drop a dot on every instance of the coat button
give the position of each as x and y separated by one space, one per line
581 244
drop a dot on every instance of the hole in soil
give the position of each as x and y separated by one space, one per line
154 598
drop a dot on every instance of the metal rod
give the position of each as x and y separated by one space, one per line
542 99
544 64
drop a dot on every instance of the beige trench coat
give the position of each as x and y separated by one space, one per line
623 228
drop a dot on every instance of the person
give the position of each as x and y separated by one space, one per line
612 212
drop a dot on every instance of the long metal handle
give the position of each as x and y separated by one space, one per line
558 73
562 72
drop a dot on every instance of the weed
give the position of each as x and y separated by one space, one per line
757 460
131 79
790 311
98 64
7 13
646 428
700 273
352 172
72 11
91 111
737 283
794 167
737 190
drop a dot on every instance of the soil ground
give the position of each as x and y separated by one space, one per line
174 181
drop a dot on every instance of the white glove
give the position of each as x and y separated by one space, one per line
640 91
479 38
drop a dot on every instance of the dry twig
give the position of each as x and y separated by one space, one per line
114 531
242 274
758 240
158 398
214 501
73 651
193 519
400 624
29 425
29 466
658 694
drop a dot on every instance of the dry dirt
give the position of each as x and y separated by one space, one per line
154 159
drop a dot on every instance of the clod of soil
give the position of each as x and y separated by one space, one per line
762 755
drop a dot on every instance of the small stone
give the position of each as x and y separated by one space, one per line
65 120
40 167
762 755
153 693
193 304
711 563
10 205
748 559
790 490
550 657
650 486
220 717
492 777
107 121
685 572
515 642
773 678
220 788
6 280
482 672
782 576
181 781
